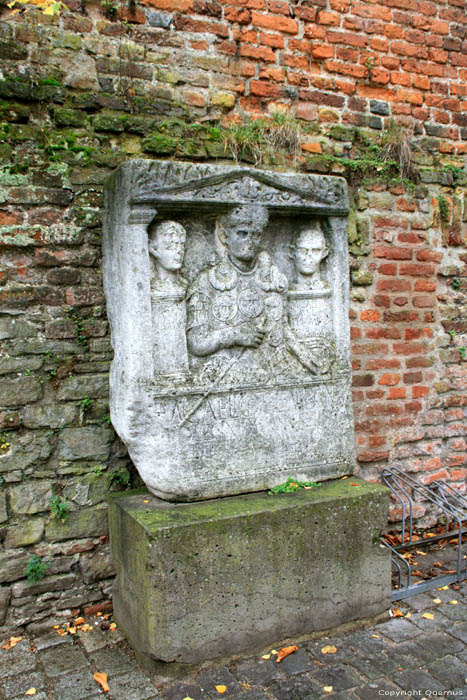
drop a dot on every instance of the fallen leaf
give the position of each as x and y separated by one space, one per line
443 588
397 612
221 689
187 698
327 688
437 600
375 636
101 678
112 626
266 657
87 628
273 651
450 571
428 616
99 614
12 642
72 630
438 564
408 615
352 483
453 602
146 500
329 649
286 651
422 554
80 621
31 691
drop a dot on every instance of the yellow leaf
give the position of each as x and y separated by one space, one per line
146 500
80 621
112 626
428 616
327 688
437 600
397 612
423 554
187 698
408 615
329 649
266 656
375 636
443 588
72 630
453 602
101 678
99 614
273 651
31 691
221 689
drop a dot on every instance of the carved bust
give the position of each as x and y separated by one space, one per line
167 248
309 250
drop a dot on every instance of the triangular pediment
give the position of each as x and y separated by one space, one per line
160 182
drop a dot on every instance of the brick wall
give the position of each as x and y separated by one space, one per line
361 83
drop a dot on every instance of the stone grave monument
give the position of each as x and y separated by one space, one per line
227 294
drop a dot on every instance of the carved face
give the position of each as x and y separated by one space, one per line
167 245
310 249
241 231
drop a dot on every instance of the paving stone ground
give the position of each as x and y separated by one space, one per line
412 656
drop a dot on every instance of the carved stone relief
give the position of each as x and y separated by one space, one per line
231 371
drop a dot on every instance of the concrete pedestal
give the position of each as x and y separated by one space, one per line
201 580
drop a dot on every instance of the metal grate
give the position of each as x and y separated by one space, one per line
448 502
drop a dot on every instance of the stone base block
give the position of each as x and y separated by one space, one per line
197 581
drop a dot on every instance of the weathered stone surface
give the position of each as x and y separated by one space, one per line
31 496
24 451
200 580
227 348
17 364
96 386
13 565
90 489
28 532
3 508
17 392
81 73
87 522
84 443
96 566
49 415
49 583
5 595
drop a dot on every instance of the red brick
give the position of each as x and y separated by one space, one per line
363 380
355 332
347 38
414 36
307 111
393 253
277 74
413 333
276 41
438 55
182 5
275 22
401 79
412 377
401 301
369 315
329 18
279 7
413 407
375 11
388 269
353 23
421 82
265 89
384 409
389 379
187 24
237 14
402 48
370 349
378 44
411 96
395 285
418 362
8 218
379 75
410 238
417 269
299 45
373 456
376 333
106 606
133 15
408 348
259 53
398 392
376 93
393 31
322 52
423 302
382 300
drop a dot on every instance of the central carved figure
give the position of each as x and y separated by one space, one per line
240 301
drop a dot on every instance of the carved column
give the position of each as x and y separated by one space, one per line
169 335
